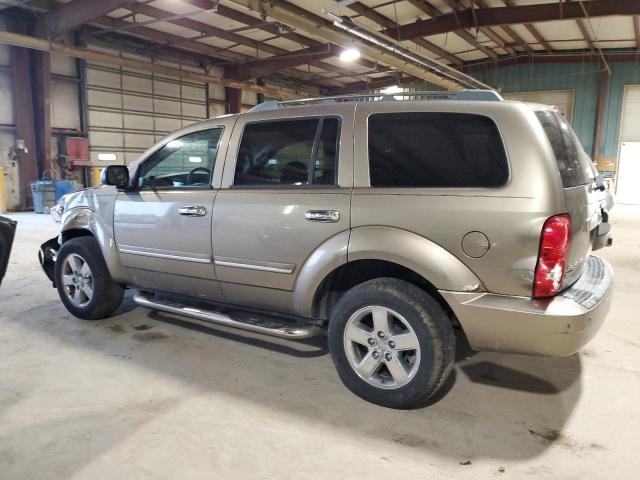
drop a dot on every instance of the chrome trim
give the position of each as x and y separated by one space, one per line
325 216
193 211
250 266
296 332
164 255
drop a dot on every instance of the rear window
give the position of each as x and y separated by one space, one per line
574 164
435 149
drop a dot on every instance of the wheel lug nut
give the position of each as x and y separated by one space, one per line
376 354
381 334
388 357
392 344
371 341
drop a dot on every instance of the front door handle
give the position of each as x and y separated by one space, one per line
193 211
326 216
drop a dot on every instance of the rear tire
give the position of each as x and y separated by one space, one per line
83 280
402 366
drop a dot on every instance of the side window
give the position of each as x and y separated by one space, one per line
288 152
575 166
186 162
435 149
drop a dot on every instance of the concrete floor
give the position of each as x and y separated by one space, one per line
145 395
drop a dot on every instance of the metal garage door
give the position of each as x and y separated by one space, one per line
563 99
628 177
129 110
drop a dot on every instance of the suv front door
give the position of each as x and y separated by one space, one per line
163 227
286 190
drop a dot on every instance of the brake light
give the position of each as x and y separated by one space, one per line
555 243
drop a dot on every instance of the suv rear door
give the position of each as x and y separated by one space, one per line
582 198
286 190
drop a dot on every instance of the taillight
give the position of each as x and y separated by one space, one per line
555 243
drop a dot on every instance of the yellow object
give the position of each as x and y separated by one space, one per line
3 194
95 174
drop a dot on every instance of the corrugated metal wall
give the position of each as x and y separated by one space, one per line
582 78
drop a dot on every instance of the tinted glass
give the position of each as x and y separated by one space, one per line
184 162
574 164
288 152
431 149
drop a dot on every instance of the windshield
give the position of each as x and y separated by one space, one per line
574 164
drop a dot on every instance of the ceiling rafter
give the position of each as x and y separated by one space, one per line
213 31
432 11
167 40
250 20
385 22
582 26
267 66
65 17
508 30
297 17
532 30
497 16
458 6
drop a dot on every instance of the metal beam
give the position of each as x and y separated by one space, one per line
532 30
289 14
249 20
555 57
100 57
214 31
458 6
497 16
432 11
585 33
78 12
385 22
267 66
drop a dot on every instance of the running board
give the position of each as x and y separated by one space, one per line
252 323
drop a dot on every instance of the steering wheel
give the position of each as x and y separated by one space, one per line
195 170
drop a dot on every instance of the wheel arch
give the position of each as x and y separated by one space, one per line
377 251
83 222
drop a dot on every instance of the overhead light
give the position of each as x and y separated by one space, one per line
349 54
107 157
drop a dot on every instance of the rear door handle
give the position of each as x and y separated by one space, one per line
193 211
326 216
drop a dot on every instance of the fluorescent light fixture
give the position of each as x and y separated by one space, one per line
175 144
195 159
349 54
107 157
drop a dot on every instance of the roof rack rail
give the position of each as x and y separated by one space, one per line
476 95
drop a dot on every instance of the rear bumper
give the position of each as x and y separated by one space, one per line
558 326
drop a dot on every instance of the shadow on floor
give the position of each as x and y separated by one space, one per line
505 407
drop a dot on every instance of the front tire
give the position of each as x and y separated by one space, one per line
391 343
83 280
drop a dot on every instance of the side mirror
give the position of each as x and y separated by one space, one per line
115 175
600 183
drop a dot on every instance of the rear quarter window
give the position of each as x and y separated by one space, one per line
574 164
435 149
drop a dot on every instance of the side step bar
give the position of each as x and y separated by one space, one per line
249 322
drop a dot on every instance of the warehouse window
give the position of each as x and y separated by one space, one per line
434 149
185 162
575 166
288 152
